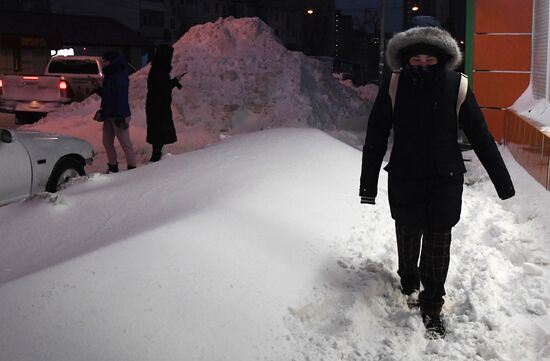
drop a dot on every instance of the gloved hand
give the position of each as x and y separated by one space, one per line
120 122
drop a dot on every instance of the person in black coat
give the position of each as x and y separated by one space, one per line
160 126
425 169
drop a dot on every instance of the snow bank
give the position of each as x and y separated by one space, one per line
533 108
196 257
258 249
367 92
240 79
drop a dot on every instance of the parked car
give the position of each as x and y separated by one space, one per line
80 72
33 162
66 79
31 97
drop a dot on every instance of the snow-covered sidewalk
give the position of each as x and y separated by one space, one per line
497 302
258 249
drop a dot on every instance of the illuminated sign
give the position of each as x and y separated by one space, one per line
63 52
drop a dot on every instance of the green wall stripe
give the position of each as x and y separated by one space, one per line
469 41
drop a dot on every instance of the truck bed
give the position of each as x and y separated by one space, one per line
30 93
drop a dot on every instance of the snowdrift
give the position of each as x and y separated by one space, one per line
198 259
240 79
258 249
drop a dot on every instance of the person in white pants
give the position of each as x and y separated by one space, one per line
115 110
122 133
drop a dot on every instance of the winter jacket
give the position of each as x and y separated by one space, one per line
114 91
426 166
160 126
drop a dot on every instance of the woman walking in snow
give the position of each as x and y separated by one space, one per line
160 126
425 170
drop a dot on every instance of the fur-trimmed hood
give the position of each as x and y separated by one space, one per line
436 37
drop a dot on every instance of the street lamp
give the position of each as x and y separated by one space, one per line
415 8
310 19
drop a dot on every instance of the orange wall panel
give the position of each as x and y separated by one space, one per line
529 146
503 16
499 90
489 51
546 160
512 130
495 119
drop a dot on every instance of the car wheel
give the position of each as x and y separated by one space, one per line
64 170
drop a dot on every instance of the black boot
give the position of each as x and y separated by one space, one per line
130 167
112 168
156 153
435 329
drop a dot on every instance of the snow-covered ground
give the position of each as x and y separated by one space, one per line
366 92
258 249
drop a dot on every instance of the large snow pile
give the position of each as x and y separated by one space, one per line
367 92
240 79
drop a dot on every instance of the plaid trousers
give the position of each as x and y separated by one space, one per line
433 248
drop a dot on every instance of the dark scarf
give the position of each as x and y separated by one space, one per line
421 76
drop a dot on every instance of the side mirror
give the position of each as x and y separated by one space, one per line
5 136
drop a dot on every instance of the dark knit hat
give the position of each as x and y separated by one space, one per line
422 48
110 55
424 20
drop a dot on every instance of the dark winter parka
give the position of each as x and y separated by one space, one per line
114 90
425 170
160 126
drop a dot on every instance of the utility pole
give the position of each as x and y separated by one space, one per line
382 40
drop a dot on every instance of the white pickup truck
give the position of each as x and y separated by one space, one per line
66 79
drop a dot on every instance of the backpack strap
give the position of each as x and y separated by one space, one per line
393 87
462 90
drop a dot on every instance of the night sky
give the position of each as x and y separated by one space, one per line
357 8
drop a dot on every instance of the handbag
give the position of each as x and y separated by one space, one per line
98 116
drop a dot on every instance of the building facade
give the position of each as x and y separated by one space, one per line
165 21
450 13
157 21
29 39
25 5
356 50
510 67
127 12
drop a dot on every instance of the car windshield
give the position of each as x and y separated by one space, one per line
71 66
